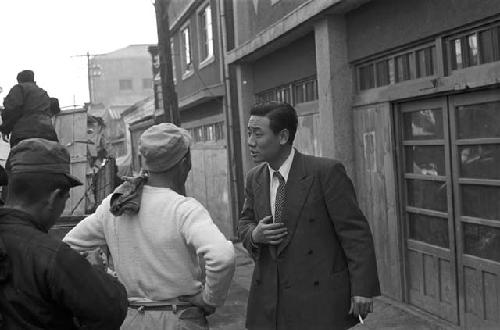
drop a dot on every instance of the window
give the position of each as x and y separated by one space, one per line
366 77
299 91
403 71
426 59
186 50
206 33
208 133
147 83
474 47
125 84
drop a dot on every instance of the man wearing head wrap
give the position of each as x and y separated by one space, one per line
155 244
28 111
44 284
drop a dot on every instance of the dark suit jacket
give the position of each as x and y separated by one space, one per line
307 281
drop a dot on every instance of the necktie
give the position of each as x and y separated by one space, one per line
279 203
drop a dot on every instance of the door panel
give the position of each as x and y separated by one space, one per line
475 144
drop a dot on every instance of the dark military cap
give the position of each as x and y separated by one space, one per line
41 156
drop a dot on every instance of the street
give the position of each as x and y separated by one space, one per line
232 315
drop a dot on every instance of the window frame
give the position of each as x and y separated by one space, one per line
203 35
187 67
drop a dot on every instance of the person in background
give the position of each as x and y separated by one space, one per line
28 111
155 235
315 264
44 284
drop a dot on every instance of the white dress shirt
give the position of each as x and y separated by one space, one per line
284 170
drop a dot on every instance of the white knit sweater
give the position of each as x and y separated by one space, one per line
155 253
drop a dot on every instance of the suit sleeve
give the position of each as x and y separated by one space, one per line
247 221
13 104
353 232
97 300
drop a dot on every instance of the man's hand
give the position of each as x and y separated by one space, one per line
197 300
96 258
361 306
268 232
5 137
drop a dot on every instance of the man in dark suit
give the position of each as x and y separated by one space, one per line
315 264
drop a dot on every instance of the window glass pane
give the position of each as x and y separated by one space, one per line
209 36
428 229
187 50
478 120
403 67
426 160
456 54
427 194
299 93
472 50
423 124
366 77
125 84
480 161
488 46
482 241
481 201
425 62
210 133
383 73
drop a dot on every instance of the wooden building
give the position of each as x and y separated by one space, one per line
407 95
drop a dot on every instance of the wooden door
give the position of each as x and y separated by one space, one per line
475 139
430 264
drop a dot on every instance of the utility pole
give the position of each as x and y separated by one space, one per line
170 105
89 73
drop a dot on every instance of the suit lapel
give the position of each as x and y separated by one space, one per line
261 197
297 189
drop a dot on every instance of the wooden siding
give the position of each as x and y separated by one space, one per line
208 183
71 128
376 190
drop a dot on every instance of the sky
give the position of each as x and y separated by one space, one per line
45 36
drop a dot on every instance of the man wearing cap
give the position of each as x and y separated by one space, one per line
156 243
28 111
44 284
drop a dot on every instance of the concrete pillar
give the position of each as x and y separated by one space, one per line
335 89
246 100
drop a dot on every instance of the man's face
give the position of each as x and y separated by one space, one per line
55 207
263 144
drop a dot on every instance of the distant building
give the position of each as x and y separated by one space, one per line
119 79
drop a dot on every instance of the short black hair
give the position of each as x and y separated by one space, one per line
281 116
25 76
32 187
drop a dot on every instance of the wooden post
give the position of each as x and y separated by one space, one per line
170 105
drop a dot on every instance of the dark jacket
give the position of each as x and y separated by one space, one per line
44 284
327 257
27 114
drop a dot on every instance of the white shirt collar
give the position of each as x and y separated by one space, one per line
285 167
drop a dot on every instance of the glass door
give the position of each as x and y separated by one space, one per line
429 235
475 138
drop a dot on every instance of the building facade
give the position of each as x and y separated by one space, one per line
197 63
407 95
